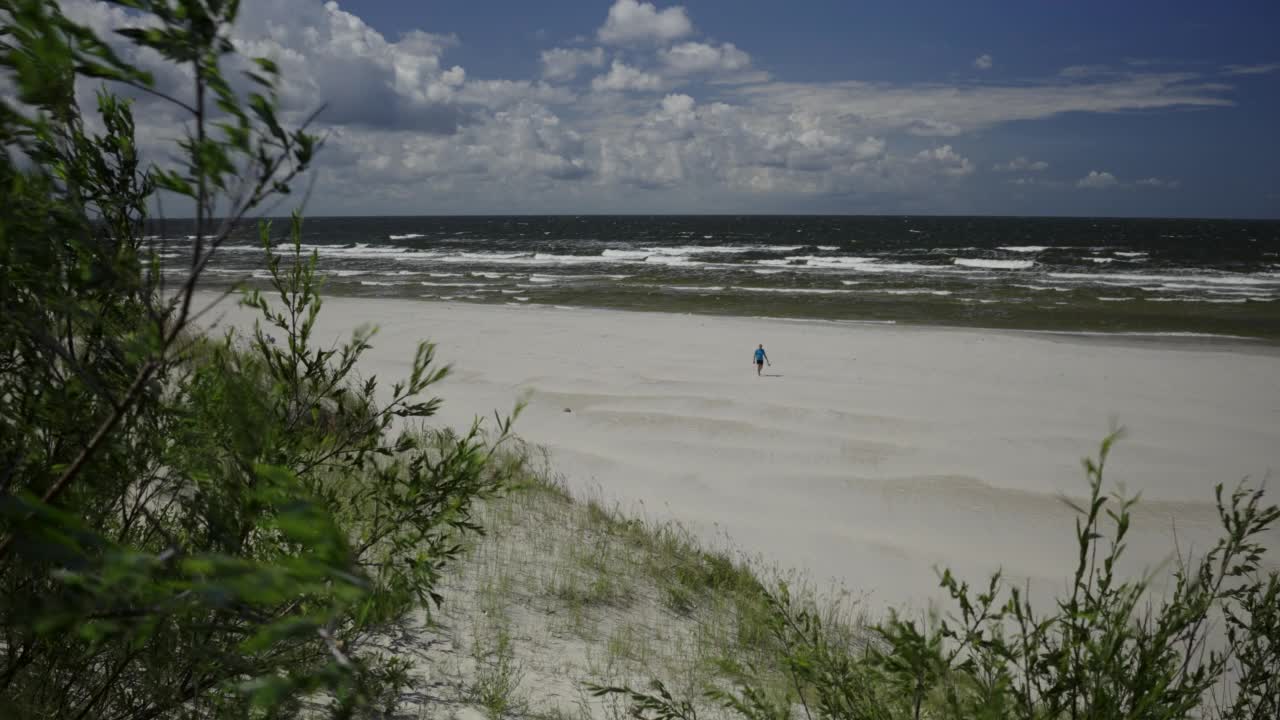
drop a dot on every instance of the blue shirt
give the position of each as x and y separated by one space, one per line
759 355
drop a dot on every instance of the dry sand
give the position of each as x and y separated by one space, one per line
869 454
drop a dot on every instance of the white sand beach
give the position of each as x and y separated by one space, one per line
869 454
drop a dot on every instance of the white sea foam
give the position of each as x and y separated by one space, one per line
714 250
344 273
817 261
1043 288
552 259
626 254
1185 298
1024 248
690 288
767 272
1222 279
409 236
795 291
509 258
1125 254
486 256
379 283
840 262
363 250
882 267
915 291
1216 289
1114 299
538 278
451 284
490 275
672 260
994 264
1101 260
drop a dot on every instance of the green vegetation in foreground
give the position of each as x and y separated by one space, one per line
576 605
235 527
192 527
1104 649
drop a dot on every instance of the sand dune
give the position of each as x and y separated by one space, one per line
871 453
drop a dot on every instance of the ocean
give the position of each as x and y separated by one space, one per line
1144 277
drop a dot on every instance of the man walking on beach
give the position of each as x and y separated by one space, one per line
761 359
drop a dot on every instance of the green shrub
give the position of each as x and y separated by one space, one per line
192 527
1108 649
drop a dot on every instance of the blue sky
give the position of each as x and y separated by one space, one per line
1080 108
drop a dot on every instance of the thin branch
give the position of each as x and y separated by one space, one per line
99 437
157 93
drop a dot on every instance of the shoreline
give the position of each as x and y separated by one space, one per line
876 454
1173 339
1263 343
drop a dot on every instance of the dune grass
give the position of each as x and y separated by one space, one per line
563 593
568 603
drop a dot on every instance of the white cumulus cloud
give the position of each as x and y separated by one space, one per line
1096 180
630 21
677 104
983 62
624 77
695 57
945 160
692 122
870 148
564 64
1021 164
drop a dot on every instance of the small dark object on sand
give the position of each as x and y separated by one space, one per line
568 410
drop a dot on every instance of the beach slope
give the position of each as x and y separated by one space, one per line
868 455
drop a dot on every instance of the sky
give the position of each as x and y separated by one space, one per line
1031 107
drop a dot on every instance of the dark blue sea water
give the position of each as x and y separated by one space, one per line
1212 277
